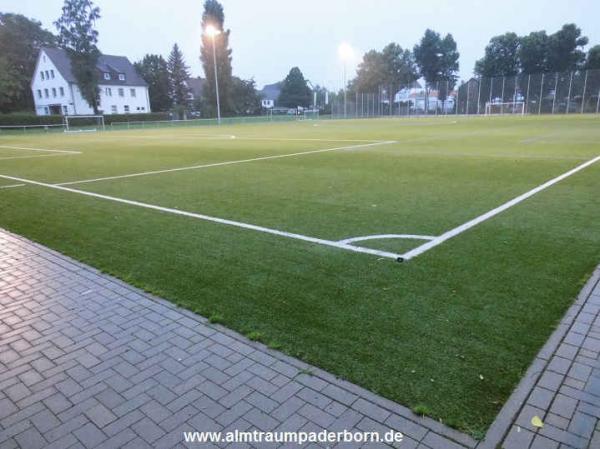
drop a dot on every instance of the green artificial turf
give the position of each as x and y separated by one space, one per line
422 333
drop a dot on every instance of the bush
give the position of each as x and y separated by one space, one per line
22 119
29 119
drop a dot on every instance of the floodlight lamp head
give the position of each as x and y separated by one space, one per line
345 51
211 31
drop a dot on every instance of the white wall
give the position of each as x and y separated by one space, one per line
72 99
42 85
110 99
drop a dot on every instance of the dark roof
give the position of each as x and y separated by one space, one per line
271 91
195 85
106 63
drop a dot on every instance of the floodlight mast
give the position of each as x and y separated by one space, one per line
211 31
345 52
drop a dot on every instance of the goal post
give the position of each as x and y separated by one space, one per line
311 114
83 123
505 108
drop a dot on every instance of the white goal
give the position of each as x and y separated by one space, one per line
509 107
83 123
311 114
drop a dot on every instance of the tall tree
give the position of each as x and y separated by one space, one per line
437 59
294 90
246 98
565 49
20 42
501 57
393 67
533 52
214 16
593 58
178 75
78 36
154 70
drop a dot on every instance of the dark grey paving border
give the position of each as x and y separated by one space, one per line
424 432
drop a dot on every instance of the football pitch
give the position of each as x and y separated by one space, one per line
427 260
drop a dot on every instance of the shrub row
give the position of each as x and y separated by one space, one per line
21 119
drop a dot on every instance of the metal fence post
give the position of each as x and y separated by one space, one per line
584 89
569 94
468 88
526 108
598 102
555 89
541 93
479 96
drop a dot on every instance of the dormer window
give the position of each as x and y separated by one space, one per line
121 77
106 76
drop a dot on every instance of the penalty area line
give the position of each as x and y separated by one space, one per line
9 147
492 213
238 224
224 163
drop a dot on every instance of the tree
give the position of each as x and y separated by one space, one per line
294 90
78 36
20 42
154 70
533 51
501 57
214 16
392 67
564 49
246 97
593 58
437 60
178 75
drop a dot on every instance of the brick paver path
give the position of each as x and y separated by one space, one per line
88 361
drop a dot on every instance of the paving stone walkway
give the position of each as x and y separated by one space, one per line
88 361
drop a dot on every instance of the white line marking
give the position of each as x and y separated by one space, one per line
224 221
31 157
387 236
237 137
10 186
469 224
220 164
40 149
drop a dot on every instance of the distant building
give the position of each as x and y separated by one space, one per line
270 94
415 97
195 85
121 89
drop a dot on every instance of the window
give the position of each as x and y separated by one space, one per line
106 75
121 92
132 91
39 93
42 74
65 110
126 109
46 94
113 109
108 92
52 74
46 110
54 92
62 91
121 77
47 75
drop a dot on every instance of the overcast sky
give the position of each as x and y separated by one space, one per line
268 37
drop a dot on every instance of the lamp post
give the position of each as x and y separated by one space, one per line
212 32
345 53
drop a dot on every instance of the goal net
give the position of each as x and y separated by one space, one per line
510 107
84 123
311 114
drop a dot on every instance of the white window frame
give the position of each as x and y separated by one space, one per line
126 109
62 91
54 92
107 76
132 92
121 92
121 77
113 109
39 92
46 93
42 75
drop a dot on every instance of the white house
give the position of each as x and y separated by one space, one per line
55 90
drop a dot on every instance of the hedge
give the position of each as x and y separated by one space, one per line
21 119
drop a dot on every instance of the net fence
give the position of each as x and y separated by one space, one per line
575 92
